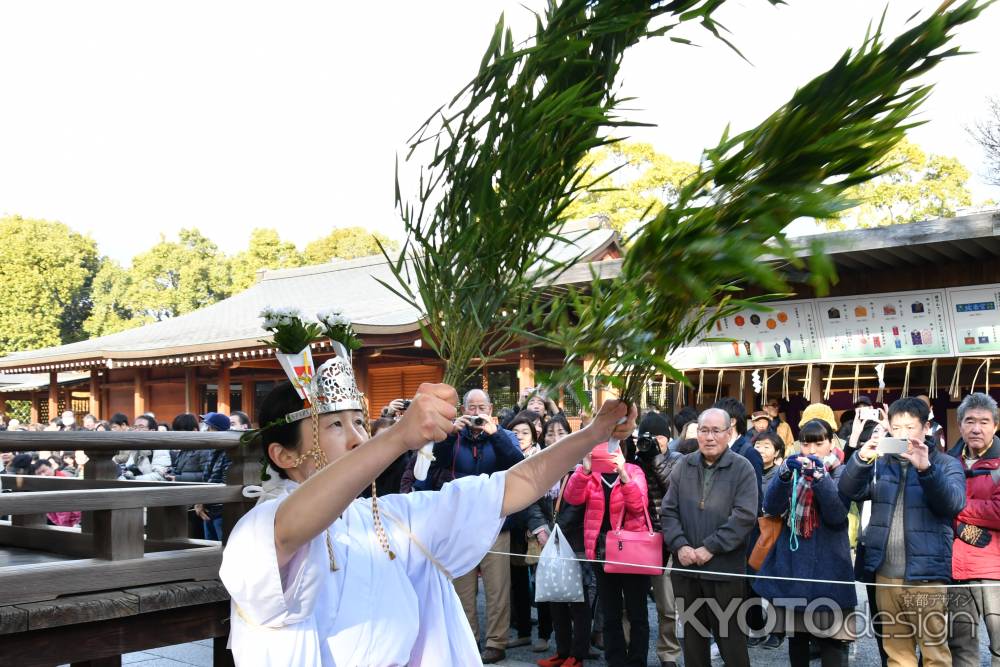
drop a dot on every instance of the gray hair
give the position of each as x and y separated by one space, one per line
465 399
729 420
978 401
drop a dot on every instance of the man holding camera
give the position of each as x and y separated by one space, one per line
916 492
480 447
657 462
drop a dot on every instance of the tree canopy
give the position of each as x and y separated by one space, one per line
347 243
55 288
631 179
916 186
46 273
266 251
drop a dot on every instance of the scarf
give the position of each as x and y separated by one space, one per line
802 517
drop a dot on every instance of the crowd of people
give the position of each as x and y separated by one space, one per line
156 465
827 505
878 498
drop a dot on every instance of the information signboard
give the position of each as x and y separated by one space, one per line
884 326
975 319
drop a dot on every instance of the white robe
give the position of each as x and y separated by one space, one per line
372 611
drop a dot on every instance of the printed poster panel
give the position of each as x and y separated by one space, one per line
786 334
695 356
884 326
975 319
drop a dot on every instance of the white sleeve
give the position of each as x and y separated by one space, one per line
457 524
266 594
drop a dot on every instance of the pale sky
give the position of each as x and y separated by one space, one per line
128 120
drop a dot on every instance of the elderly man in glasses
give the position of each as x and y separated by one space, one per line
708 514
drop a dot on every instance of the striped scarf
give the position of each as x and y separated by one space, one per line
802 517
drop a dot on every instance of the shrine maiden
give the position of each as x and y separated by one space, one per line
318 577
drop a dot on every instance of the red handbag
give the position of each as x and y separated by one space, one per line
632 551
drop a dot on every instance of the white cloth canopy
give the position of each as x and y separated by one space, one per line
371 610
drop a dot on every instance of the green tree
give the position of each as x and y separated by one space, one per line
631 178
111 311
347 243
46 271
169 279
918 187
266 251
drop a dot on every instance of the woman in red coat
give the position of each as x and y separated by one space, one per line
614 491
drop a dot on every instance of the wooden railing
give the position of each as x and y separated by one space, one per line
133 533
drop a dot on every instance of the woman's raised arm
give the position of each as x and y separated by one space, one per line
321 499
531 478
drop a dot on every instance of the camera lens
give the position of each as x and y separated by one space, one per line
406 404
479 421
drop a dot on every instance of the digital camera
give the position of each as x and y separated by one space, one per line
646 443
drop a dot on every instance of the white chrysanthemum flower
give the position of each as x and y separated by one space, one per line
333 317
274 317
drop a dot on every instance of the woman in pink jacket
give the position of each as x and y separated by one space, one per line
614 491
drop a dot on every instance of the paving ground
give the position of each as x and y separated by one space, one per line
864 653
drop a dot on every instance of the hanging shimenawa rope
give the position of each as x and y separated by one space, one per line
829 382
932 387
955 389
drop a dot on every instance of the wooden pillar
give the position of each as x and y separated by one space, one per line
361 373
814 392
34 409
225 399
749 396
249 396
139 390
95 394
53 395
525 372
191 390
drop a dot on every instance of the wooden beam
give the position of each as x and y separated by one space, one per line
167 523
95 394
525 372
118 533
53 539
115 441
93 644
190 389
115 499
46 581
138 392
53 395
249 399
38 483
224 403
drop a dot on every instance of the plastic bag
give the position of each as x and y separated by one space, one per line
558 578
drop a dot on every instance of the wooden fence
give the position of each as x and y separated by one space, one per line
129 576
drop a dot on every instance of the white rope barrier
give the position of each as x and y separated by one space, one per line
683 570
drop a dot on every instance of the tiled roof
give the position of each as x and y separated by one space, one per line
234 323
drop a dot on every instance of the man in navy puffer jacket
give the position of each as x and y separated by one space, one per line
915 498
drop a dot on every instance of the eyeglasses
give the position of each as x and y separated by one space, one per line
714 432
